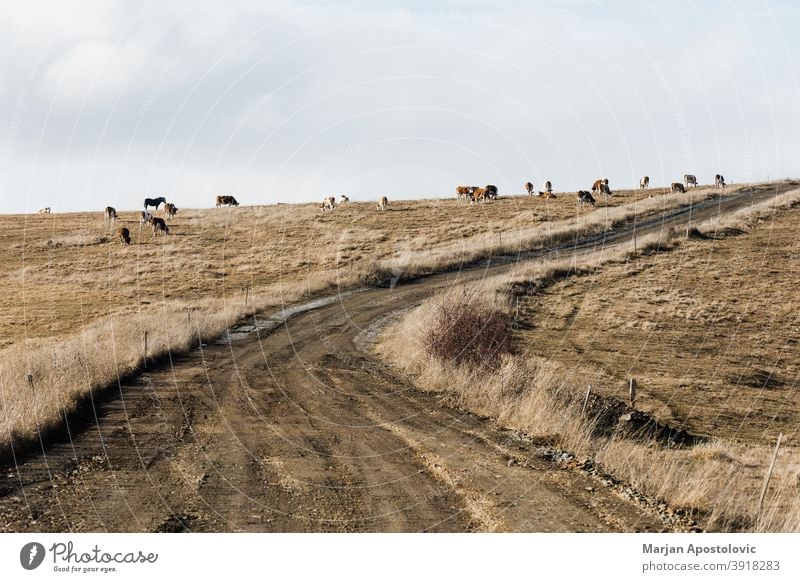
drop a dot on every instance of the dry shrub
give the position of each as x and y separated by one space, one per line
466 331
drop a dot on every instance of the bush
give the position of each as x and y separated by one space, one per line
465 330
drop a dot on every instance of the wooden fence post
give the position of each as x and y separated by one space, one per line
632 391
586 398
768 477
145 349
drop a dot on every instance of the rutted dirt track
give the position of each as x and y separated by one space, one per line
302 429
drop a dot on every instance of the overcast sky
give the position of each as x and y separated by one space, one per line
104 103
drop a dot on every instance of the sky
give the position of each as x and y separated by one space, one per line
108 102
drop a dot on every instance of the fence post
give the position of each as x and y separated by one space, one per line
586 398
632 391
145 348
246 294
30 382
768 477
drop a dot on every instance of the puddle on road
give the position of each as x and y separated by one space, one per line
269 323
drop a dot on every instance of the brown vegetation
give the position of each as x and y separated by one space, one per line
708 330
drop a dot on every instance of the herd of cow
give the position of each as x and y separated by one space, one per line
463 193
158 224
329 203
477 194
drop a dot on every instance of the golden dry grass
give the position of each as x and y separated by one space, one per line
709 330
77 303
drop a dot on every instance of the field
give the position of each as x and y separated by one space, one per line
707 326
64 271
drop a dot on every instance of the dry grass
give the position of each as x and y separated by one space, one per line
708 328
76 302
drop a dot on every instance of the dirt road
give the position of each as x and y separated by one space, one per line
302 429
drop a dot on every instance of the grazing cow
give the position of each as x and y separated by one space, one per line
644 182
382 203
690 180
585 197
124 236
478 195
226 201
548 187
329 203
491 191
719 181
465 192
45 210
546 195
159 226
110 214
170 210
145 217
344 199
156 202
678 187
529 188
601 187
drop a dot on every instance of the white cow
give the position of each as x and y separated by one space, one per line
382 203
328 204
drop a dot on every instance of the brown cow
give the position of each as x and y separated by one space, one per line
226 201
464 192
124 236
601 187
678 187
170 210
478 195
159 226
